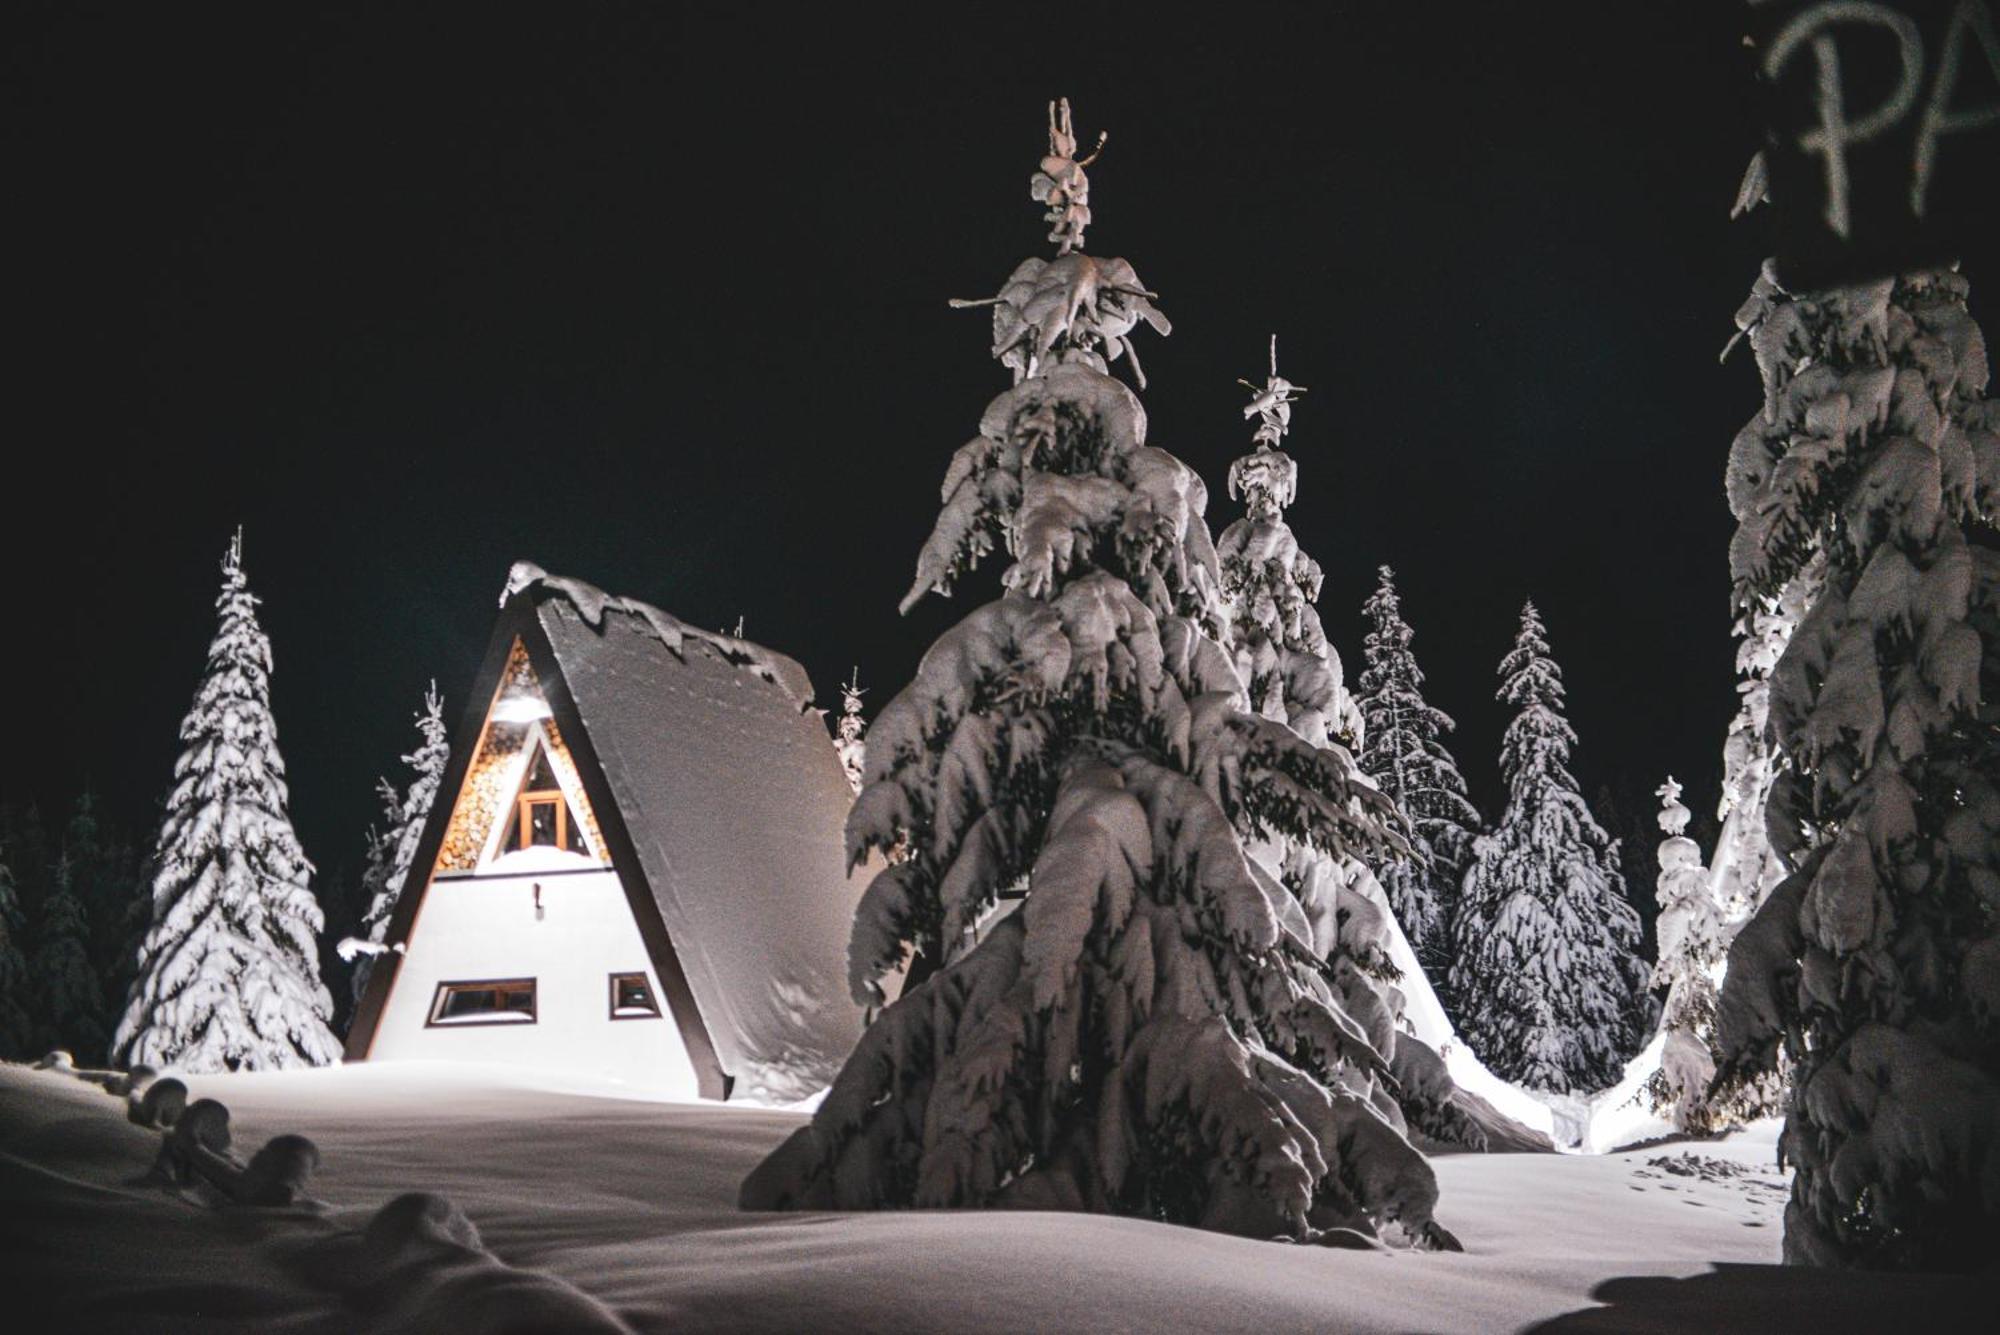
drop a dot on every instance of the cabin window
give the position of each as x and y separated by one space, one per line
484 1001
633 998
542 818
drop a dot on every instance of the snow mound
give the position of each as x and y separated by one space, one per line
420 1266
1510 1117
635 1216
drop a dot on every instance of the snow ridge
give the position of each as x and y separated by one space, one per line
418 1265
592 603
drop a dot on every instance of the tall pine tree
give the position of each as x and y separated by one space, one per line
17 1028
851 733
1546 971
1150 1033
390 854
229 971
1690 932
1405 753
69 1000
1272 585
1294 677
1873 469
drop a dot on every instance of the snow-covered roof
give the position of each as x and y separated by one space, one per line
734 800
726 798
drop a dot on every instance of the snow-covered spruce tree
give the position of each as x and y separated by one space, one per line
1294 677
1545 966
1281 651
1690 932
68 1000
850 734
1150 1032
17 1030
229 971
393 848
1875 964
378 856
1404 752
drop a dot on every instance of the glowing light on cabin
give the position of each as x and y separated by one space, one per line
520 708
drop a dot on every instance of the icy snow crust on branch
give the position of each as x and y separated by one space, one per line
1404 752
229 971
1545 968
1875 964
1150 1034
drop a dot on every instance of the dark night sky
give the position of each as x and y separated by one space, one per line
659 301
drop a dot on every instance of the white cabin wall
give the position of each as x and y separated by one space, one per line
478 927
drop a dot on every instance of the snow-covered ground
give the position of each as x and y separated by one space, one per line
603 1210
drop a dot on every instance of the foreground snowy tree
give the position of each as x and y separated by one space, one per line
1149 1033
1294 677
850 734
229 971
1875 964
393 846
1690 930
1405 754
17 1030
1546 971
69 1005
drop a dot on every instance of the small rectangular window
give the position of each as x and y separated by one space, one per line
632 997
484 1001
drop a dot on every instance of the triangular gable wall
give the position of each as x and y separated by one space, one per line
484 778
542 753
518 721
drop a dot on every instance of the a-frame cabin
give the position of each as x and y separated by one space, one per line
634 867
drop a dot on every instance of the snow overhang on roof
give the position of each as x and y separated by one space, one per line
591 603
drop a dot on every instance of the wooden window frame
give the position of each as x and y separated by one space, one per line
535 797
652 994
449 985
